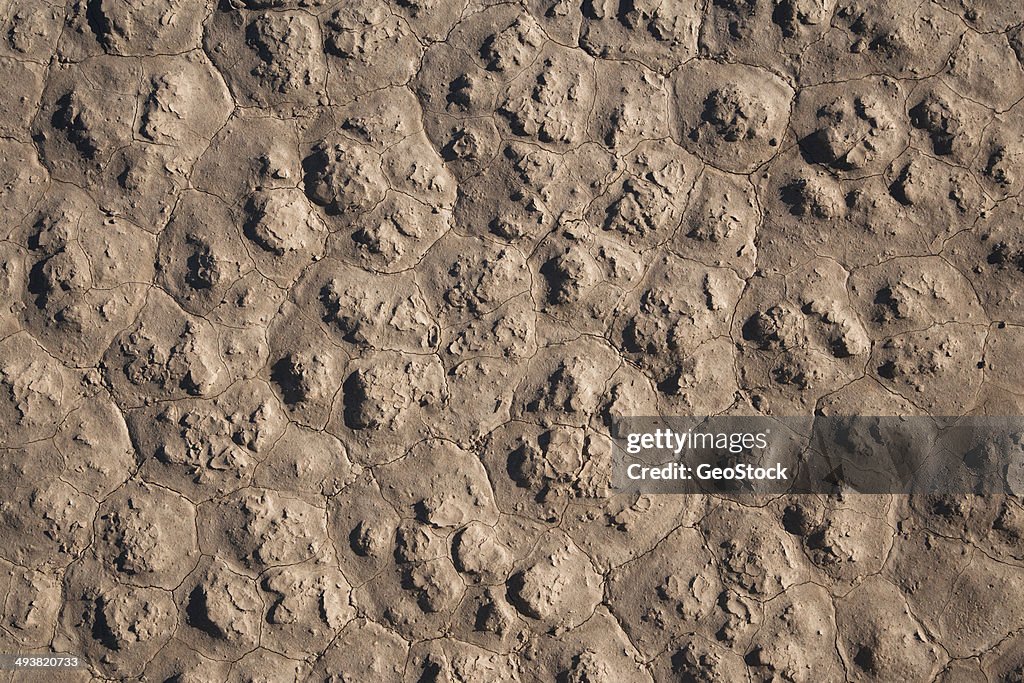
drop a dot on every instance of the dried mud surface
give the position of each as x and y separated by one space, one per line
314 315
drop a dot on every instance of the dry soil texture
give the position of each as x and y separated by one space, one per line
314 315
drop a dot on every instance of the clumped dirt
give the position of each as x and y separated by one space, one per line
314 316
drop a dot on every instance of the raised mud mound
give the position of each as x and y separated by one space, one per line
314 315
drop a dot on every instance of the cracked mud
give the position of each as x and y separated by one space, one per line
314 316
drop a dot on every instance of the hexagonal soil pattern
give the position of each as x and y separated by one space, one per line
314 315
